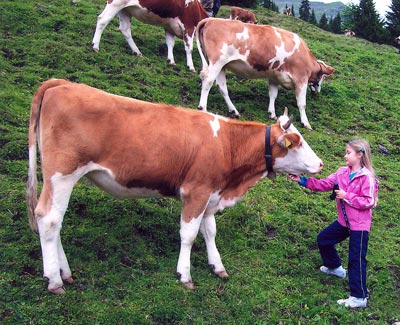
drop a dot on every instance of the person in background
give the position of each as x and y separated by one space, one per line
211 7
356 195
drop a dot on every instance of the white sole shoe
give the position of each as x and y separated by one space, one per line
353 302
340 272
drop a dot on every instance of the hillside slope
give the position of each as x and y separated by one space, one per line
123 253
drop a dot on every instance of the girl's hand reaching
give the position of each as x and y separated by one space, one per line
294 178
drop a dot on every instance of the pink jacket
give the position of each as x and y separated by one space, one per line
361 195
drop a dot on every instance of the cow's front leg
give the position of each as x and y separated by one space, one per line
188 233
208 229
170 40
301 93
194 203
273 93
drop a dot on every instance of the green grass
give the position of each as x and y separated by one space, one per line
123 253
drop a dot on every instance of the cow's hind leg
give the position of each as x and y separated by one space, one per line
49 212
208 75
223 89
208 229
103 20
125 28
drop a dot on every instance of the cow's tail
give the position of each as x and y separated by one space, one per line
31 189
201 45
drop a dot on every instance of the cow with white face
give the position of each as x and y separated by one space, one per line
132 148
178 18
257 51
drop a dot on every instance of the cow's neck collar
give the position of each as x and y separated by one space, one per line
268 153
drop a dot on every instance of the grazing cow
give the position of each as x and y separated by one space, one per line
288 11
257 51
132 148
243 15
349 33
178 18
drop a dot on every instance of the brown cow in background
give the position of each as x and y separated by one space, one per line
243 15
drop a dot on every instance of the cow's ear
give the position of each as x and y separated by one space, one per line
289 140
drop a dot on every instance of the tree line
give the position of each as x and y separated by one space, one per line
363 18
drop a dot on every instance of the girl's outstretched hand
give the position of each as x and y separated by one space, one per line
294 178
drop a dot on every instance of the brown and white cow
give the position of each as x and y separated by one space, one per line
178 18
243 15
349 33
288 11
132 148
257 51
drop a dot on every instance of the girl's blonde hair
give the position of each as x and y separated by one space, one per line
361 145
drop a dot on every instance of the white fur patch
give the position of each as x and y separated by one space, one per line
215 125
243 35
281 53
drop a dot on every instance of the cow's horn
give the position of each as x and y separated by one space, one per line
288 123
286 112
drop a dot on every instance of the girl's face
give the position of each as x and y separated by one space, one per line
353 159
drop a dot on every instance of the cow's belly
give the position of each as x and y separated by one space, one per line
104 180
172 25
247 71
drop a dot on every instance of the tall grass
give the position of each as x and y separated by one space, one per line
123 253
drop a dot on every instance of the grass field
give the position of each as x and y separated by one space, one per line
123 253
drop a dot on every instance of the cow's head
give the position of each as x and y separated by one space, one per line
294 155
315 81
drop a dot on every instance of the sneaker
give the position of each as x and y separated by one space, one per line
339 271
353 302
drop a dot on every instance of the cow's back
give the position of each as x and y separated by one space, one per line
143 144
259 49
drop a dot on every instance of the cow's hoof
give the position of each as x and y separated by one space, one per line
234 115
308 126
200 108
57 290
189 285
96 49
222 274
69 280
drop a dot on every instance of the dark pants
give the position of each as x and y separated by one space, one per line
357 265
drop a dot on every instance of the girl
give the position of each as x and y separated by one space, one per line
355 198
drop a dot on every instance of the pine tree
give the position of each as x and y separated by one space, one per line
393 19
323 22
336 26
293 10
304 10
367 23
313 18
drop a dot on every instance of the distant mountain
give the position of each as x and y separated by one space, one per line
330 9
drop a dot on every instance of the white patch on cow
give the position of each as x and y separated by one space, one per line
217 203
243 35
188 2
281 53
103 178
215 125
